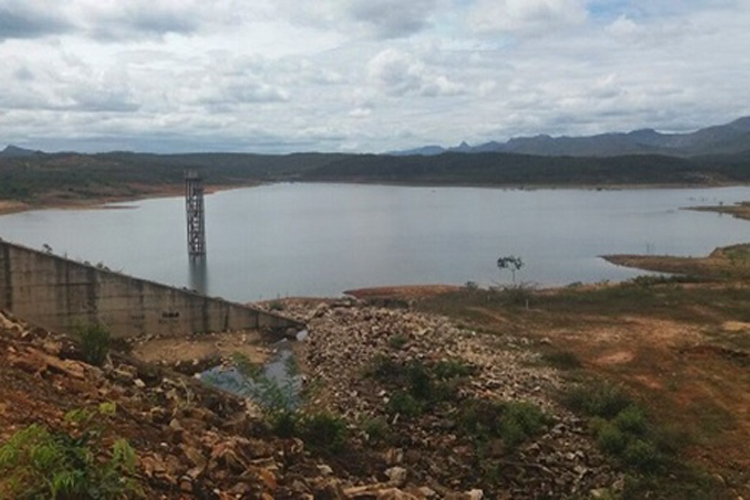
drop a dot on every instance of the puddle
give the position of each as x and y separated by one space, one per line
277 384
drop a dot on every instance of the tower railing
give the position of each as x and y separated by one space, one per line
196 224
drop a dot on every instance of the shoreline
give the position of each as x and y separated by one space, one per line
8 207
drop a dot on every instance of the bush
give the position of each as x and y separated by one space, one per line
611 439
38 463
632 420
599 400
377 430
324 432
448 369
276 305
284 424
512 422
562 360
516 295
643 456
425 383
95 343
398 341
404 404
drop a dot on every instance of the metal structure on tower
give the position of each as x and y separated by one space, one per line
196 225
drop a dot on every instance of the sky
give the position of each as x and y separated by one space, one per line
281 76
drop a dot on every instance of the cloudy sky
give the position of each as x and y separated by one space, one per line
362 75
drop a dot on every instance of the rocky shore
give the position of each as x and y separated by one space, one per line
196 442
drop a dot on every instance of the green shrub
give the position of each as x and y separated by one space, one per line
448 369
384 368
642 455
611 439
528 416
284 423
425 383
405 404
95 343
276 305
632 420
512 422
377 430
420 382
38 463
562 360
516 295
598 400
324 432
398 341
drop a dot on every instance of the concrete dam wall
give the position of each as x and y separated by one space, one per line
61 294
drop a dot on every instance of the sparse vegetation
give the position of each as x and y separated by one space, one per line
95 343
397 341
512 422
418 386
377 430
324 432
37 462
520 294
276 305
403 403
562 360
597 400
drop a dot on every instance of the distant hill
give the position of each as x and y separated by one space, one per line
15 152
511 169
708 157
732 138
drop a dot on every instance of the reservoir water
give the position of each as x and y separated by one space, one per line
321 239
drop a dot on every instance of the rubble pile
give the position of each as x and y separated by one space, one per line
191 441
347 337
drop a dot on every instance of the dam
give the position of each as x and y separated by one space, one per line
61 294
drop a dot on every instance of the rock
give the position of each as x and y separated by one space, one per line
427 492
325 470
195 456
329 489
269 479
396 475
475 494
394 456
241 490
186 484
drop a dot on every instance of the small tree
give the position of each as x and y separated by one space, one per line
510 262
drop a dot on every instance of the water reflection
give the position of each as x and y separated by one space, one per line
198 268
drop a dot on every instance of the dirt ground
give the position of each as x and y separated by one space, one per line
693 375
172 351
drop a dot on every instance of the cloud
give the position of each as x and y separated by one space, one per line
398 73
379 19
112 20
278 75
24 19
117 20
392 18
530 16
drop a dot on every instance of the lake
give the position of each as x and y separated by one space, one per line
321 239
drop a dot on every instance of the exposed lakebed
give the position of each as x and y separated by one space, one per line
321 239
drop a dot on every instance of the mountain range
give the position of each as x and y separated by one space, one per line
15 152
731 138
